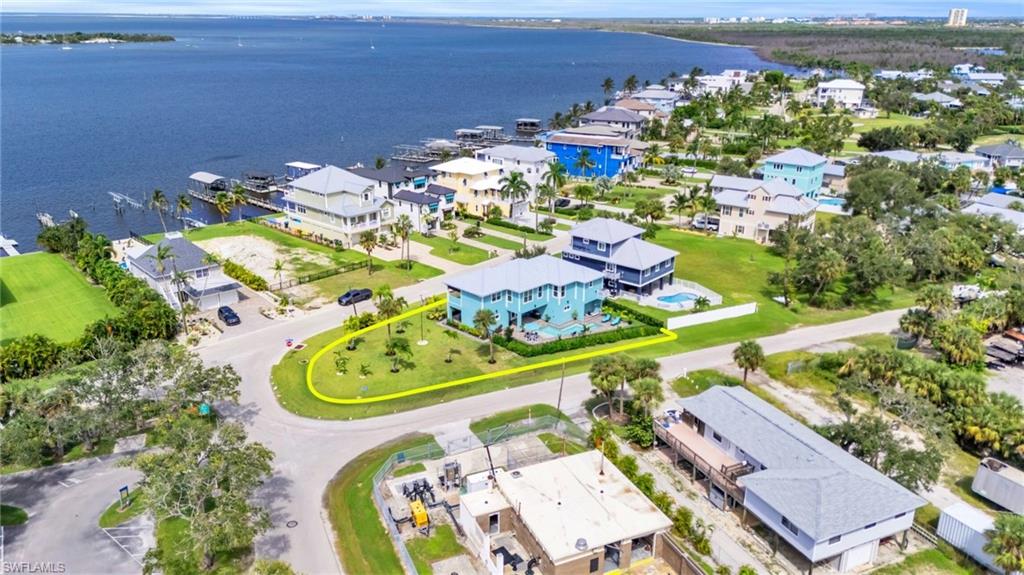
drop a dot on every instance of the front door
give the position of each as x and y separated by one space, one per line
492 524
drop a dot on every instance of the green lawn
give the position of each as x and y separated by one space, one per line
627 197
556 443
927 562
391 273
409 469
500 243
178 556
114 516
532 236
563 227
41 293
362 540
440 545
701 380
443 247
882 121
480 427
655 312
776 366
11 515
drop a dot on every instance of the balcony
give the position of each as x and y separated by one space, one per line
718 467
612 275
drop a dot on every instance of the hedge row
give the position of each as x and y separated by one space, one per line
630 313
512 226
567 344
242 274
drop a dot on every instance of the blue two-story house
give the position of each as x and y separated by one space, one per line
522 291
616 250
609 156
802 168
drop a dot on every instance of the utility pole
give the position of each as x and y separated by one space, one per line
558 405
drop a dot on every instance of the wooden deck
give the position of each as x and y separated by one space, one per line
720 469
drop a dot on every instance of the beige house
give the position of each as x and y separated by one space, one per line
751 209
477 186
335 204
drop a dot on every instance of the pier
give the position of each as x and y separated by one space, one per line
121 200
266 204
8 247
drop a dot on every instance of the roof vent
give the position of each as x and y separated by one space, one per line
581 544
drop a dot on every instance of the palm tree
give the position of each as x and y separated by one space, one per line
238 198
380 162
403 228
545 195
483 319
278 270
183 206
701 303
653 156
608 86
1006 542
350 325
680 203
584 162
671 174
917 322
633 370
706 204
606 375
163 253
556 176
514 188
936 299
368 241
180 279
340 363
451 335
222 201
603 185
630 84
749 356
397 348
158 203
647 392
584 193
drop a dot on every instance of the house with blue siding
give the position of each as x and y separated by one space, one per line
611 156
626 262
522 291
802 168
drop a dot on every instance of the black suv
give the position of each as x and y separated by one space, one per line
228 315
354 296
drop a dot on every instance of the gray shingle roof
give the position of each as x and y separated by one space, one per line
520 275
820 488
1012 216
528 154
1005 151
332 180
392 173
734 182
999 200
640 255
438 190
186 257
792 206
797 157
613 114
605 230
835 170
415 197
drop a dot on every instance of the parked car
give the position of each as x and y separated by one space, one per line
228 315
562 203
354 296
701 222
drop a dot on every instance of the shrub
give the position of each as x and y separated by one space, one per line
506 224
566 344
242 274
28 356
612 306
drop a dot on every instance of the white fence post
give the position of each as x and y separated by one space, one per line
712 315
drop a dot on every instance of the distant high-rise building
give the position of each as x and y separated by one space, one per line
957 17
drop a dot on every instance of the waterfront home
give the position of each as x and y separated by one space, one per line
648 111
1009 154
207 184
753 209
335 204
602 130
295 170
525 291
426 208
477 186
915 76
987 78
827 505
939 99
205 284
658 96
616 249
572 515
953 160
530 161
611 156
802 168
630 121
844 93
395 176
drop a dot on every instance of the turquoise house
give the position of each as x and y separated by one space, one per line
522 291
801 168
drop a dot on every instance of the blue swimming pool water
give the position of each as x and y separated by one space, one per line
832 201
552 331
678 298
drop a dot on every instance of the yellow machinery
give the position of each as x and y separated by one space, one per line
419 514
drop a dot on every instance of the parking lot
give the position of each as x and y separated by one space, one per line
248 310
1005 362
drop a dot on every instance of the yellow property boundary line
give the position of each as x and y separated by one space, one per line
665 337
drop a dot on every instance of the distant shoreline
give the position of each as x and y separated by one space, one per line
83 38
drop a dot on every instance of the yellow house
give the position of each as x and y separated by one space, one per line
477 184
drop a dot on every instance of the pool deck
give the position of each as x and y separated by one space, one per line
592 319
678 287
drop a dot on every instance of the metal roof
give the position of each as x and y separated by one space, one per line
639 255
605 230
520 153
815 484
797 157
842 84
520 275
734 183
468 166
907 156
1006 151
185 257
613 114
205 177
332 180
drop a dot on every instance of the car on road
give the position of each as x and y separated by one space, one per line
353 296
562 203
228 315
702 222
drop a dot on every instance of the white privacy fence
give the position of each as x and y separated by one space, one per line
712 315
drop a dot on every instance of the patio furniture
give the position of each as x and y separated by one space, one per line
617 320
606 317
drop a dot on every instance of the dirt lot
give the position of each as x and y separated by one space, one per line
259 254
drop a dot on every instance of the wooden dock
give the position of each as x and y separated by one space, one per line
249 199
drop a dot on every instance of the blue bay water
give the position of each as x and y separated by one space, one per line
240 94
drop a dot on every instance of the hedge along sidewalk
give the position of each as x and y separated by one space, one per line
667 336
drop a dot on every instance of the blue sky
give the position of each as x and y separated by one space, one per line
525 8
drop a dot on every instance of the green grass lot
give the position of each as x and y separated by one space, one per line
824 218
563 227
362 540
178 556
500 243
409 470
440 545
392 273
11 515
42 293
627 197
883 121
480 427
114 516
443 247
532 236
701 380
927 562
556 443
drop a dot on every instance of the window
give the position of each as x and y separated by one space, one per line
540 292
726 210
366 196
789 525
717 437
202 273
595 564
657 267
508 296
739 230
835 540
496 296
586 242
750 212
528 296
600 246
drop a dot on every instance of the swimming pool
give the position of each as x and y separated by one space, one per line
825 201
677 297
552 331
